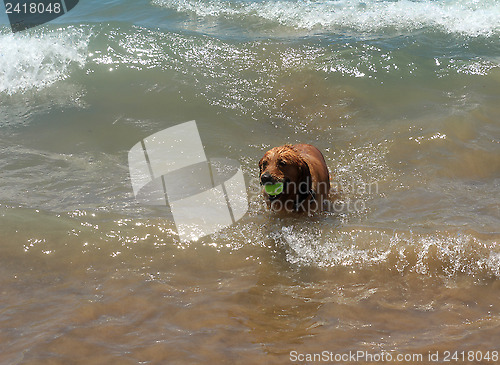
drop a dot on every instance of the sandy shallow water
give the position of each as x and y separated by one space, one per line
402 98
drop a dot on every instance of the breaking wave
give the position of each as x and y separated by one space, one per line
470 17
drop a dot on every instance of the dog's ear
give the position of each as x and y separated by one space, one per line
304 172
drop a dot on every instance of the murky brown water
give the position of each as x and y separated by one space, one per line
411 270
408 266
227 301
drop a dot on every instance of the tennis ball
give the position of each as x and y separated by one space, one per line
274 189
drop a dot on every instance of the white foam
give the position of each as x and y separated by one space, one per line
467 17
443 252
30 61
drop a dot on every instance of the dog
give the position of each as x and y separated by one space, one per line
302 171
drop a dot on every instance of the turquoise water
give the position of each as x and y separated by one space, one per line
403 99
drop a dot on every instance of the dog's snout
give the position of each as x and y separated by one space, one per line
266 178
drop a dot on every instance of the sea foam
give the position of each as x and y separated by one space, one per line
34 61
469 17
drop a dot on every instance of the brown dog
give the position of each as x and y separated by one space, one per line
304 174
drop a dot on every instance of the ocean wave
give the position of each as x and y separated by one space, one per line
470 17
35 61
352 249
438 253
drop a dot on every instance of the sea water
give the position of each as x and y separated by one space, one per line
403 99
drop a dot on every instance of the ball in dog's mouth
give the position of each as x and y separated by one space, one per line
274 189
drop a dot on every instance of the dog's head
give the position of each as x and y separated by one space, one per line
284 165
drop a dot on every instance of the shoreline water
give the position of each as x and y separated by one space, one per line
402 98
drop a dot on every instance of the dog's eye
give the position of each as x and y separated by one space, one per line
282 163
264 164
